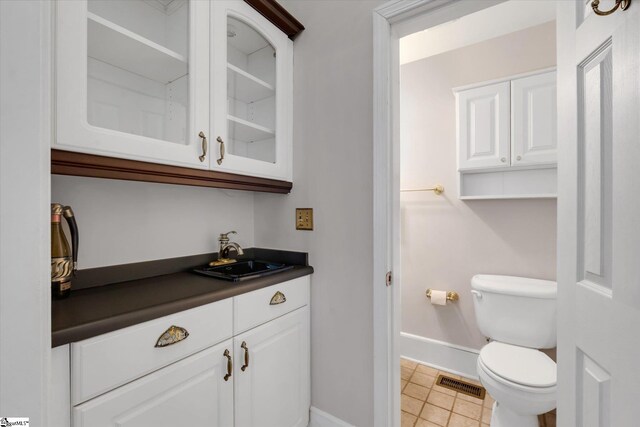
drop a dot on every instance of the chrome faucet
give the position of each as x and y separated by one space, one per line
224 247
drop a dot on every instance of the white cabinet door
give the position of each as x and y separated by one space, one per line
191 392
533 115
132 79
251 94
483 127
272 386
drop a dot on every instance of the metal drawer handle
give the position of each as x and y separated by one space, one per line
278 298
622 4
246 356
204 146
221 150
229 365
173 335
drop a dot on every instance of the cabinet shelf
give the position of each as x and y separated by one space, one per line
115 45
245 131
248 88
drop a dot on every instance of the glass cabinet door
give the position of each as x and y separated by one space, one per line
128 72
251 93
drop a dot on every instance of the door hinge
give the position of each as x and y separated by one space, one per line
388 279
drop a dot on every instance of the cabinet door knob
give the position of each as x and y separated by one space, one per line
204 146
503 159
246 355
229 365
518 158
221 150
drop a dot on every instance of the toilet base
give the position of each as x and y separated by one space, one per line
505 417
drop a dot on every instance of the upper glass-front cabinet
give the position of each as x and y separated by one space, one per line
132 79
251 94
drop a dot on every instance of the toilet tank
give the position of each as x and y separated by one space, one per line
516 310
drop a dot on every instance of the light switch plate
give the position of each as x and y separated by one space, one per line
304 219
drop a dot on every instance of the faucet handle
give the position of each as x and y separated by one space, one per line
225 236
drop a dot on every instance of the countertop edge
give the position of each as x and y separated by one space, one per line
82 331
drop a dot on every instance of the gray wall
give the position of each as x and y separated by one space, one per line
333 154
125 221
445 241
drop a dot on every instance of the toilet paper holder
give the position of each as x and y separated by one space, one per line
451 295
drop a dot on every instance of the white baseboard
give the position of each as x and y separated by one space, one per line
318 418
441 355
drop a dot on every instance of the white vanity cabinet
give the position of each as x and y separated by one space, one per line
507 137
242 361
191 392
272 385
189 83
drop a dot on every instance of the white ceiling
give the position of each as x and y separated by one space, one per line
486 24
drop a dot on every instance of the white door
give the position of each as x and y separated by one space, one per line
599 220
534 131
196 391
483 127
132 80
272 385
251 93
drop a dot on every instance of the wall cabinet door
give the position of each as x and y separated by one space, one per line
533 115
272 386
251 97
132 79
483 127
191 392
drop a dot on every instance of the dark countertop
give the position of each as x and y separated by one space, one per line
97 310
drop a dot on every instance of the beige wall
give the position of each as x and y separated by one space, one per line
333 155
446 241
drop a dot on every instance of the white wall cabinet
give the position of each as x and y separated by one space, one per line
251 106
533 120
197 84
506 137
233 369
483 127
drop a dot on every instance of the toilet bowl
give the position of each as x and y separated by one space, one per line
519 316
521 380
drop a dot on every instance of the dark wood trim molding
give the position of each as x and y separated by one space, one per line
79 164
278 16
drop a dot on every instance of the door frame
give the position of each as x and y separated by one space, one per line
392 21
25 193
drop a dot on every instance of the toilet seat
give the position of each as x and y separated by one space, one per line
524 367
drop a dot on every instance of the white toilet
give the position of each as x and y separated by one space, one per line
519 316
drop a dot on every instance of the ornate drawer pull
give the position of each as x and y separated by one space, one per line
171 336
278 298
246 356
229 365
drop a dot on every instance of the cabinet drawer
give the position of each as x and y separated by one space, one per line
107 361
257 307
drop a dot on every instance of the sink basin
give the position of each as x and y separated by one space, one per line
243 270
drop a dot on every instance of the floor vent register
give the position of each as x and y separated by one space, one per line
461 386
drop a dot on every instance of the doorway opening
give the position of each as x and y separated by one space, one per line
461 208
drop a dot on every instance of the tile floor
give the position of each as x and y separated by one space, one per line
425 404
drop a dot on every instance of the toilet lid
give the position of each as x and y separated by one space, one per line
524 366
